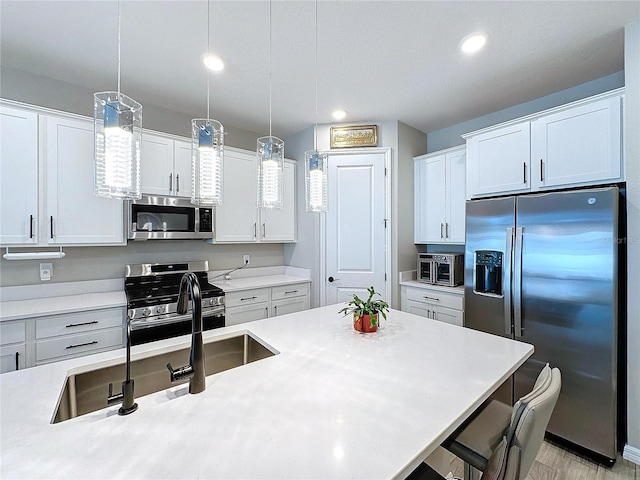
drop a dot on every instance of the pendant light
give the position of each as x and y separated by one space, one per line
207 152
270 151
117 133
315 163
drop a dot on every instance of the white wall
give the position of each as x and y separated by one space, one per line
632 159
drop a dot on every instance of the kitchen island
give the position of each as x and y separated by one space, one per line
332 403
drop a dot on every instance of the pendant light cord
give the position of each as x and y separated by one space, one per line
269 68
119 28
315 130
208 53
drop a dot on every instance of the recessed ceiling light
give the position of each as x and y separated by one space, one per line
213 62
472 43
339 114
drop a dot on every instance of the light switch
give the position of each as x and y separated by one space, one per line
46 271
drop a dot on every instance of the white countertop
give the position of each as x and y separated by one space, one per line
334 403
59 298
236 284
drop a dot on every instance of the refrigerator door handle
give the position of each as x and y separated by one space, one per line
517 284
506 281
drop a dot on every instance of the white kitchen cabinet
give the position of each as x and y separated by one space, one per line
74 215
59 337
238 219
445 304
165 165
18 176
577 144
47 182
258 303
13 346
499 161
439 196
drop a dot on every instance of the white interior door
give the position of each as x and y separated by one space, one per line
356 236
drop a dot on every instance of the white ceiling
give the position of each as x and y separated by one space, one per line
380 60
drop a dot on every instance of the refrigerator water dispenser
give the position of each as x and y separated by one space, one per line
488 278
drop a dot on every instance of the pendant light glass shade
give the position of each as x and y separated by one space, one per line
207 158
315 170
118 131
270 172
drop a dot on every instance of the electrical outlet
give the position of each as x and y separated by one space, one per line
246 259
46 271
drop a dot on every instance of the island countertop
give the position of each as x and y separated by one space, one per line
333 403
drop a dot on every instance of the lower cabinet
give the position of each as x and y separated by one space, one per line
26 343
434 303
255 304
13 337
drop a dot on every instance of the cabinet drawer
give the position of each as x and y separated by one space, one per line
79 322
246 297
12 333
290 291
435 297
80 344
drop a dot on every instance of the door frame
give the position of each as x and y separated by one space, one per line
386 151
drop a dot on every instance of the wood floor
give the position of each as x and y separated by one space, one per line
555 463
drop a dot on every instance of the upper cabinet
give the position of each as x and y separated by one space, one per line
238 219
18 176
165 165
573 145
439 196
47 183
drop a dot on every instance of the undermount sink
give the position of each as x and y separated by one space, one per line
87 392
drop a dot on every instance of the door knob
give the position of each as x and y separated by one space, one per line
331 279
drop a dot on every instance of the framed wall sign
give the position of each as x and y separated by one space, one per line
356 136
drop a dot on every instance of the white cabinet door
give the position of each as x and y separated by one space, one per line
156 165
237 219
12 358
579 145
499 161
456 196
290 305
416 308
279 225
182 168
447 315
18 176
248 313
430 208
74 215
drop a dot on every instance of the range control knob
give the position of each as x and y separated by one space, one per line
146 312
212 301
160 309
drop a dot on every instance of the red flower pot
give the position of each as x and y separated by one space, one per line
365 323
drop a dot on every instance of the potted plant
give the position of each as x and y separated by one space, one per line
365 313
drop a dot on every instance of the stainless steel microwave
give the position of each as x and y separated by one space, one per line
441 268
168 218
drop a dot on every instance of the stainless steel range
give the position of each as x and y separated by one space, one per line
152 298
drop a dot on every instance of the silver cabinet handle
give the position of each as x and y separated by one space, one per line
177 182
524 171
446 230
275 310
81 324
428 313
171 182
30 226
264 230
441 226
82 345
541 171
51 224
254 230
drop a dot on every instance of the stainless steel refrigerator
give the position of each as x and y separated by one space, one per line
543 269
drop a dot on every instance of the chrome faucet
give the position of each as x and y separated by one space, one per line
194 371
129 404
